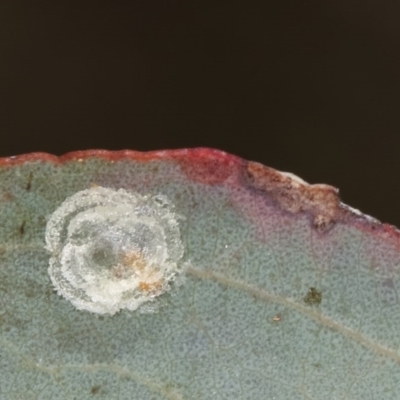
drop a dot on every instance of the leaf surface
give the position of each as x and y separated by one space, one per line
286 292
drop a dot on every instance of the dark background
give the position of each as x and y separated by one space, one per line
308 87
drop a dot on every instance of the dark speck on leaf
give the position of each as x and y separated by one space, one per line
22 228
29 183
313 297
95 389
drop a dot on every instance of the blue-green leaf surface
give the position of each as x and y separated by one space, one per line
285 292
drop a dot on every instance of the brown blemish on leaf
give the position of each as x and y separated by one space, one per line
135 260
294 195
313 297
95 389
150 286
132 262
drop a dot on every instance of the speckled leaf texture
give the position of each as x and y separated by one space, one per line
286 293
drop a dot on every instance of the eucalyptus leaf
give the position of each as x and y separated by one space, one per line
278 290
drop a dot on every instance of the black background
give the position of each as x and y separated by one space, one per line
307 87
